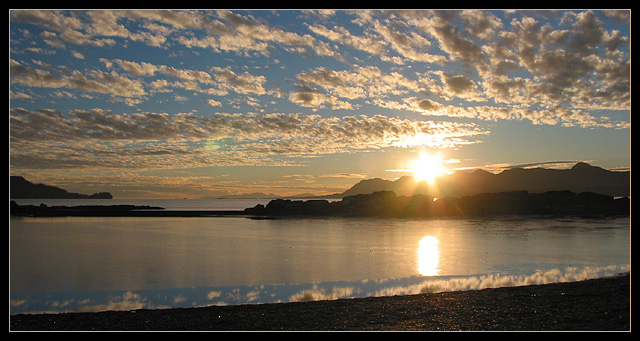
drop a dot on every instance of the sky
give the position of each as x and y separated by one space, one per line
210 103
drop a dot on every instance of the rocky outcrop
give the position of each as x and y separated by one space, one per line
387 204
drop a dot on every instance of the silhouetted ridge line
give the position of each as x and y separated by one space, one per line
582 177
20 188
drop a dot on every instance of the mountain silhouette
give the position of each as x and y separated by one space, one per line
582 177
20 188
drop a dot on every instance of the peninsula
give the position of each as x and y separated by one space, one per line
21 188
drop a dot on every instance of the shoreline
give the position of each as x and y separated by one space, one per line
602 304
377 204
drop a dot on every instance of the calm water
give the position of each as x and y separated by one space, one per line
92 264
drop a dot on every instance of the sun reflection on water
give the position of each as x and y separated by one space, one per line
428 256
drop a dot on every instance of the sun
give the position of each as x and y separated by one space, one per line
427 167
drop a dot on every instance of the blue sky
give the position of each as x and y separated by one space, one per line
163 104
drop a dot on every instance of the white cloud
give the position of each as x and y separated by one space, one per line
214 103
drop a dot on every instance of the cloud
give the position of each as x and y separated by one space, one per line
96 137
450 38
136 69
523 62
621 16
453 86
341 35
245 34
226 30
205 296
309 97
567 63
557 115
344 175
409 45
360 83
245 83
450 66
214 103
110 83
219 82
33 77
482 24
436 78
459 84
536 71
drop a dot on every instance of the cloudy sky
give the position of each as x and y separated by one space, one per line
165 104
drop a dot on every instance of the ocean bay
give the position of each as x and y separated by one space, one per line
127 263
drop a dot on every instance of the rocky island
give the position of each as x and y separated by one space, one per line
388 204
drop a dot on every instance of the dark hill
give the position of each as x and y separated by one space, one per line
582 177
387 204
369 186
20 188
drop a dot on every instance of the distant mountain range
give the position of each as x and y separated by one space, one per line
243 196
20 188
582 177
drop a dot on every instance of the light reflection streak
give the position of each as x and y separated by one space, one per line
428 256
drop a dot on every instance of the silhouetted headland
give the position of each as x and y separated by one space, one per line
43 210
21 188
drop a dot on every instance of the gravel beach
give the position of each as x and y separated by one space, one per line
593 305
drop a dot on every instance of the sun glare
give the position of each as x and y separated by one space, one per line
427 168
428 256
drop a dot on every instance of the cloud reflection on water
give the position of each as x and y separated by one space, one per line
207 296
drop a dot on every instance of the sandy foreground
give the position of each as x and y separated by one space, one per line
593 305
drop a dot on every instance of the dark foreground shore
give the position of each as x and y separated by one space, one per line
593 305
